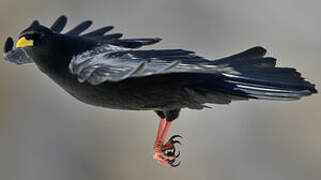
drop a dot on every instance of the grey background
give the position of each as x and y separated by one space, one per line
46 134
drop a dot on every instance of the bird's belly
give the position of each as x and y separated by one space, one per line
123 98
129 95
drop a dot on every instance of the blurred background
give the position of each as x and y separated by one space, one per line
47 134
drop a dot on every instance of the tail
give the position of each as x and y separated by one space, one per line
257 77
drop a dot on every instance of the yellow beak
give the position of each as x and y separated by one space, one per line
23 42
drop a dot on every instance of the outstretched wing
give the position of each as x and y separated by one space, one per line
19 56
111 63
248 74
100 34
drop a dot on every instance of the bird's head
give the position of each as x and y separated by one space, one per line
46 47
31 39
35 36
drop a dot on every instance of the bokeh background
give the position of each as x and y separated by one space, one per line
47 134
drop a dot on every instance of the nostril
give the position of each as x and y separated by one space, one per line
8 45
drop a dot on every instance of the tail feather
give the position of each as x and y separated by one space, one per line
284 84
273 92
264 82
255 76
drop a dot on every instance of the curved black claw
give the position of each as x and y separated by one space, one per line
171 151
173 164
8 45
175 136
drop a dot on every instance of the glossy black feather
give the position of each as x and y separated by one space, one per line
169 55
144 41
126 44
281 77
80 28
266 62
146 54
99 32
59 25
252 53
109 37
268 83
134 43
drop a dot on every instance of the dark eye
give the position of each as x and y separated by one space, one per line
34 36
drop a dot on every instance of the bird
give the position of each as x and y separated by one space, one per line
103 69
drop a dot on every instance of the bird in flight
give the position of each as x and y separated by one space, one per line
105 70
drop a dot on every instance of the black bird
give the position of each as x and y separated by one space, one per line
107 71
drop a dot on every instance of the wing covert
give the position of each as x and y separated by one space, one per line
113 64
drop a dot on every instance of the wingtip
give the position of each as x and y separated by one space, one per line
88 23
313 89
59 24
63 17
158 39
8 45
109 28
152 41
259 50
35 23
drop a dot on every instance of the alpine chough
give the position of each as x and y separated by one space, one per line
104 70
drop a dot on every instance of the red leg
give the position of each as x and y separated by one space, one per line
159 150
160 129
166 129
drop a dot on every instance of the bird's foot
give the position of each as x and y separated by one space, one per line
167 153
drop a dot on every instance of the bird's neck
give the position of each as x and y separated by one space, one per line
56 57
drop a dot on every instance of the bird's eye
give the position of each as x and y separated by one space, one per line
28 37
33 36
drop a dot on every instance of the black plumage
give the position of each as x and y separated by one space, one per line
105 70
80 28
